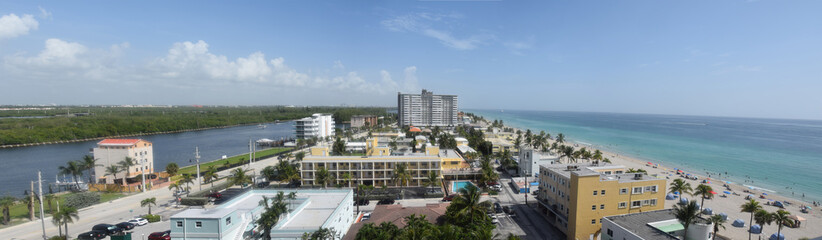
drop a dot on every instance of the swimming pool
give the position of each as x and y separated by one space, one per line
456 186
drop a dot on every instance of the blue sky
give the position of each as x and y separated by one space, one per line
715 58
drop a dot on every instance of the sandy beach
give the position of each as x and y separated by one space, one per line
730 204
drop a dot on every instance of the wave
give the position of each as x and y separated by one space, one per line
759 188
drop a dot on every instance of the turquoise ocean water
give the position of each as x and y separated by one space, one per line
783 156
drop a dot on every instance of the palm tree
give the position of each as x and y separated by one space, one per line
680 186
763 217
597 155
57 220
271 213
126 164
291 196
113 170
148 202
299 156
511 236
751 207
717 220
468 204
401 174
686 214
89 163
568 153
211 175
6 202
433 179
239 177
704 191
322 177
269 172
49 198
74 169
347 178
780 217
561 138
67 215
187 179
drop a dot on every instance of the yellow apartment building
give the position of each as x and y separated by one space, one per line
500 145
575 197
377 166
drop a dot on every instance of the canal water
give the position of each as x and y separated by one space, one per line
21 164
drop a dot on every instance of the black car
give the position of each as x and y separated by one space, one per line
108 229
125 225
91 235
386 201
509 211
497 208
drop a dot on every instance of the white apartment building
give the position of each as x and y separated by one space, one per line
318 125
427 109
530 159
113 151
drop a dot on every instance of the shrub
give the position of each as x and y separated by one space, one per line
152 218
81 200
492 192
194 201
57 238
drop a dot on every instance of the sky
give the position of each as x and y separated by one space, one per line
711 58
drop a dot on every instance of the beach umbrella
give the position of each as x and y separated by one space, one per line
676 192
670 196
738 223
683 200
724 216
766 194
728 182
774 237
712 192
726 192
750 195
756 229
708 211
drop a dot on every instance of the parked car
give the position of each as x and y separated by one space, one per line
386 201
107 228
126 225
497 208
494 219
160 235
215 195
449 198
366 216
263 184
91 235
138 221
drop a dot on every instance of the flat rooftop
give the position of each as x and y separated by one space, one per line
637 223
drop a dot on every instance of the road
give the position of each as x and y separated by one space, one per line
528 218
116 211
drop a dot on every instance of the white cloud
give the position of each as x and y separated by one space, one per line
12 26
423 24
44 14
338 65
518 47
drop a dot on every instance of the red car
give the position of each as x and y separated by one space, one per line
215 195
160 235
449 198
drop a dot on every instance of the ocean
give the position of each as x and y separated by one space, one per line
777 155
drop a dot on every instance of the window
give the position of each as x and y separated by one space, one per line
593 221
595 192
602 192
646 202
653 188
636 204
602 206
610 232
593 207
179 224
623 204
228 221
637 190
623 191
198 224
618 172
653 202
607 172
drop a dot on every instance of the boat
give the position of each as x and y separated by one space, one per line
261 126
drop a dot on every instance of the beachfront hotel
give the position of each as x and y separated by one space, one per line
653 225
112 151
317 126
376 167
311 210
576 197
427 110
363 121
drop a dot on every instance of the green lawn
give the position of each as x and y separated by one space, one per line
20 210
232 160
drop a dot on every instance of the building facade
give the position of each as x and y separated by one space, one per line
363 121
113 151
376 168
576 197
309 211
317 126
530 159
653 225
427 109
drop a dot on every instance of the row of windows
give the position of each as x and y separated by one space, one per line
602 192
199 224
638 190
638 203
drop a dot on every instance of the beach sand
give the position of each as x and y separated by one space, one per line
729 205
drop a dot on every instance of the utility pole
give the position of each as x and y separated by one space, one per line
143 173
250 151
197 156
527 189
42 218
